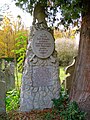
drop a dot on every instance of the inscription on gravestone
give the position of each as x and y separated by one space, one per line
43 44
42 76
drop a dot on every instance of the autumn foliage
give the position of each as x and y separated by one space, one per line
10 32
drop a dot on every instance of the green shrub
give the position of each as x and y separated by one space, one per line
66 49
12 100
49 116
73 112
65 109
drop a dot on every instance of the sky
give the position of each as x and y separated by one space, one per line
15 11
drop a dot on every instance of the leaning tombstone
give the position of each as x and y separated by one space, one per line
40 80
2 97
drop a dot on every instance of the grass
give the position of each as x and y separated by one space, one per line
18 80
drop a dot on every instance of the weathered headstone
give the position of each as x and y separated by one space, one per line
40 81
2 91
2 97
7 74
9 77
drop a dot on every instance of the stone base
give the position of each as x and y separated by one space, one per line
38 97
40 84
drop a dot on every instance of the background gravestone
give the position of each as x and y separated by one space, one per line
2 91
40 80
2 97
9 76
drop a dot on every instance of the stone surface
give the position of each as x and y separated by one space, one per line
2 77
43 44
40 80
9 77
2 97
42 76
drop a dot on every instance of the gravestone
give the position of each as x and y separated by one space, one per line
2 97
9 76
2 91
40 80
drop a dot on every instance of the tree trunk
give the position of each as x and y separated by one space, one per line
80 91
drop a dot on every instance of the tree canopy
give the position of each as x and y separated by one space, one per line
70 10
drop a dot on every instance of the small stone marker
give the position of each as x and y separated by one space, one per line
2 97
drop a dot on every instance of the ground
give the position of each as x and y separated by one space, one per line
33 115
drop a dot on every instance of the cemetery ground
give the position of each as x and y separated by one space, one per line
62 108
